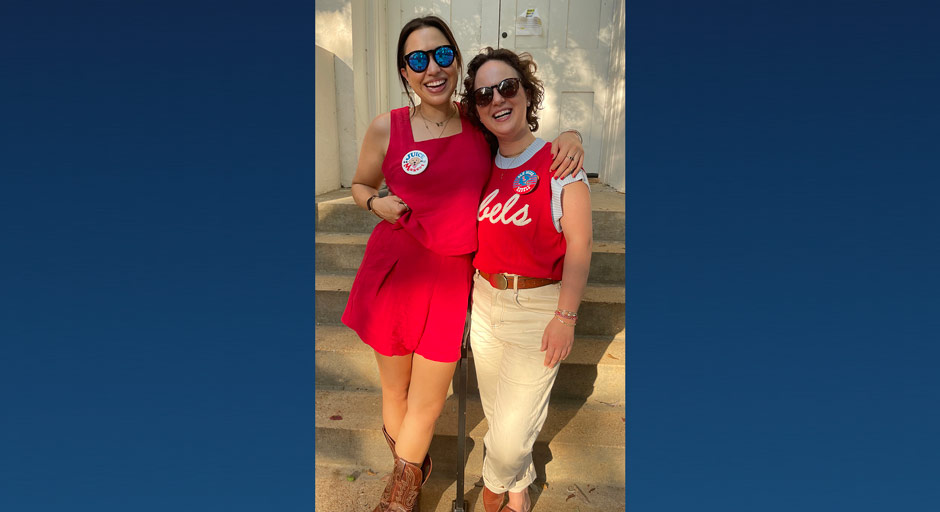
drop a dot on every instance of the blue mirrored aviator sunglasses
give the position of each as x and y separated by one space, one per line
418 60
507 89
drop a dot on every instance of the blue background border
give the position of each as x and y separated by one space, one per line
157 307
158 239
783 281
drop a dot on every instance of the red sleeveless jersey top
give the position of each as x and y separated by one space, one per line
516 231
440 180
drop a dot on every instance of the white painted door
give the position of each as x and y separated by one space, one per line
573 55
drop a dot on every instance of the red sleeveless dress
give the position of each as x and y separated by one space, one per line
411 290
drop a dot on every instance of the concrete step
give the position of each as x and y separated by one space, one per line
581 441
338 252
593 371
357 489
601 312
608 211
608 262
337 213
342 252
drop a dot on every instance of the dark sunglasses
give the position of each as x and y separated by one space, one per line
418 60
507 89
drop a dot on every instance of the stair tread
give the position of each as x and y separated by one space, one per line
340 196
600 246
593 292
342 238
571 422
334 491
603 198
606 350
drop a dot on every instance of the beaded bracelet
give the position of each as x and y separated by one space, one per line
571 315
369 206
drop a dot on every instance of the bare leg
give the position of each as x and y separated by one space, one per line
426 395
519 500
395 373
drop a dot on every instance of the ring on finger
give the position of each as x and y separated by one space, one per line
570 158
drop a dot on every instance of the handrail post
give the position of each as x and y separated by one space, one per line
460 504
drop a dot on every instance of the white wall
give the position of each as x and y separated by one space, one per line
357 97
334 28
326 161
334 34
614 157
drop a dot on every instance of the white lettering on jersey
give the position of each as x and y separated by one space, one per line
498 212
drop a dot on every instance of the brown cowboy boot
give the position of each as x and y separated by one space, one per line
387 493
390 441
492 502
407 492
425 465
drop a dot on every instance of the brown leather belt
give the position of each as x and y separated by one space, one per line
504 281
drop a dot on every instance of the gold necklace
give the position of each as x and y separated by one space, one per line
444 122
513 163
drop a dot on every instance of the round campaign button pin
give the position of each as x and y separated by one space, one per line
525 182
414 162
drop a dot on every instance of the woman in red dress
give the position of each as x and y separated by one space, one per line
409 299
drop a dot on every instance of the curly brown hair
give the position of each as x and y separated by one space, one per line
525 66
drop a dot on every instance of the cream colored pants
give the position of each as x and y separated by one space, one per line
506 338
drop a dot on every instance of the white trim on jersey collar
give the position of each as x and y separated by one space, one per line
503 162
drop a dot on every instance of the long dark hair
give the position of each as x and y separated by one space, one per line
525 66
415 24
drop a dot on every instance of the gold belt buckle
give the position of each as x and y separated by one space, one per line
501 282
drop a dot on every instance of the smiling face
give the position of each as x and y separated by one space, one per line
503 117
435 85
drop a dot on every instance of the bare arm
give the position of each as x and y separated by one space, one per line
368 177
577 227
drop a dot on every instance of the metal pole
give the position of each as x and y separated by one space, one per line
460 504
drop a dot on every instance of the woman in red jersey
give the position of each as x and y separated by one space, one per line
409 299
533 259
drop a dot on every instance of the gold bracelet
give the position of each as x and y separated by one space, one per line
571 324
